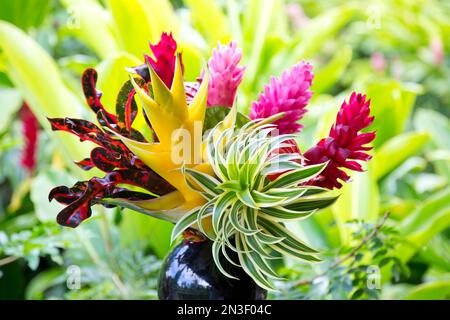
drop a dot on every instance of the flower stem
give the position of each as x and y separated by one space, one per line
351 254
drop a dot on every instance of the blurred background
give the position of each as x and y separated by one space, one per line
395 51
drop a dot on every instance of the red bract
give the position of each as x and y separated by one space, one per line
111 155
345 143
163 63
30 130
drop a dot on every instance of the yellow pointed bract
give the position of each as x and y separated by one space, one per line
172 120
175 122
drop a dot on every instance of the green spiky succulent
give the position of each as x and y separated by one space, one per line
247 208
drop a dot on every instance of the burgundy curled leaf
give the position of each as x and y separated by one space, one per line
83 129
83 195
65 195
80 209
104 160
85 164
111 155
92 95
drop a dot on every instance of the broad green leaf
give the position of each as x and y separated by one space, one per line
136 228
132 25
161 18
438 126
312 37
193 60
439 290
359 199
10 102
391 105
112 76
396 150
24 13
40 187
41 85
208 18
43 281
424 223
91 23
328 75
256 27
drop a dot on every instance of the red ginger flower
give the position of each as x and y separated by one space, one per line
345 143
289 94
30 129
163 63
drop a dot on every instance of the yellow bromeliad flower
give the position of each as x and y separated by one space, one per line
179 129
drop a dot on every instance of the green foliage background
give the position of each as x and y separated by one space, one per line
46 44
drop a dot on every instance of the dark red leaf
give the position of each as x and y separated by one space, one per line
105 160
85 164
89 82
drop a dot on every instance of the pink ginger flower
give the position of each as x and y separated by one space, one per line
290 94
164 61
225 74
437 48
378 62
345 143
30 130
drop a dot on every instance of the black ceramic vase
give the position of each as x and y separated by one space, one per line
189 273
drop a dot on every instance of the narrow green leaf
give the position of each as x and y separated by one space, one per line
208 183
216 250
266 200
246 197
296 177
223 202
250 269
282 214
235 219
290 239
185 222
308 204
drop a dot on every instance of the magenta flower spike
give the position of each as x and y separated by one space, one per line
345 143
164 59
225 75
290 94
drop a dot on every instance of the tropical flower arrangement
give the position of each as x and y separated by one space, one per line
217 174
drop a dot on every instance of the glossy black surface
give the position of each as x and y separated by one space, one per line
189 273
